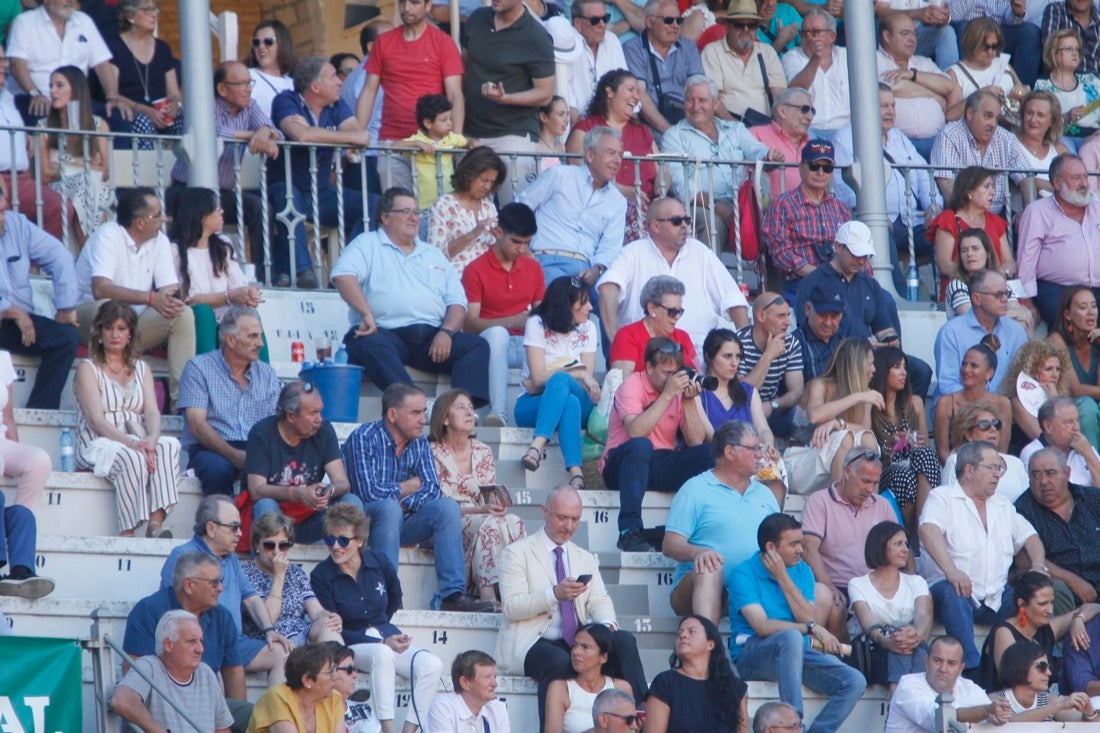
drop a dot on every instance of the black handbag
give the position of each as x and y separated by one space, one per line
756 118
870 658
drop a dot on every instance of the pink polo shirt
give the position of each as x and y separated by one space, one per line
843 531
773 136
634 396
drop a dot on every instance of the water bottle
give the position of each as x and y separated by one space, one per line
341 356
68 451
912 284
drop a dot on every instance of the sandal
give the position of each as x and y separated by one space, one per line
576 481
532 459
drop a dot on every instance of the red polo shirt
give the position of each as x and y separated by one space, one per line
501 292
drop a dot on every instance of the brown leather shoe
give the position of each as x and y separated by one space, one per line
463 603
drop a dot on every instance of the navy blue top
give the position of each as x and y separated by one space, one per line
287 104
868 308
219 633
369 599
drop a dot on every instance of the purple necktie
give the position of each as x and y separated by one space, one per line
568 612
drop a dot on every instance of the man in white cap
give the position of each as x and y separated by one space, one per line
870 311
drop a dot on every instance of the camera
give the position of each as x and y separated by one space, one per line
703 380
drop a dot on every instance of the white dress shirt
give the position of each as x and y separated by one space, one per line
913 706
829 89
33 38
449 713
588 68
1078 470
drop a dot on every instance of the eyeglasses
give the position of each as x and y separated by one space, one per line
231 526
745 26
671 20
628 719
790 726
410 211
1069 49
991 341
269 42
283 546
758 448
997 468
814 32
214 582
987 424
821 167
670 347
867 455
676 221
806 109
157 215
333 539
1043 666
998 294
672 312
597 19
347 669
249 83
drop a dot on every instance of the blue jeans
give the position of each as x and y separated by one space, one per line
308 531
215 473
939 43
563 406
959 615
327 210
390 527
18 531
635 466
785 659
505 351
924 146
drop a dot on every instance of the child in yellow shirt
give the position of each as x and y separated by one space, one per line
433 114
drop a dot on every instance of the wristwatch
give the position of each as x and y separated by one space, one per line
810 626
914 75
775 405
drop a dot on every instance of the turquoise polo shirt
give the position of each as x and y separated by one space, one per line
751 583
711 514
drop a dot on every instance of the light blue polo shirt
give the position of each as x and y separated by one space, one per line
401 289
711 514
752 583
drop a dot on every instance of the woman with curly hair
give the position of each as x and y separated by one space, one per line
700 692
1076 332
910 466
617 95
1047 365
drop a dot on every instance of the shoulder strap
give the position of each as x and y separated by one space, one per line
652 64
764 75
966 73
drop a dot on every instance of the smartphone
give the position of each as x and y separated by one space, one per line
586 578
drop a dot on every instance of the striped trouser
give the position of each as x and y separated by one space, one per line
139 492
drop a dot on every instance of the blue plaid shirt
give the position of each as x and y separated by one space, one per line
376 471
207 384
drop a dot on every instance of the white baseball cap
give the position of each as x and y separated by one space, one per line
856 236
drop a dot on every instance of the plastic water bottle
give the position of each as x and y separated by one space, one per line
68 451
341 356
912 284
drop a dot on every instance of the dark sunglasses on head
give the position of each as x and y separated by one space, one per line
333 539
575 282
676 221
266 41
597 19
821 167
775 302
987 424
283 546
867 455
669 348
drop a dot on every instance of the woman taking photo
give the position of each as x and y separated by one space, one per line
465 464
210 278
1026 673
559 384
617 95
910 467
969 208
890 604
118 424
979 421
700 692
307 702
569 701
460 222
270 63
362 588
1076 333
979 364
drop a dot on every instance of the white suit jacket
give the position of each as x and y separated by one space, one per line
527 571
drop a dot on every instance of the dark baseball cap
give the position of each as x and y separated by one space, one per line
818 150
826 296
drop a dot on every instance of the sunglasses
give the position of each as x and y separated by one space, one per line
333 539
674 20
671 347
231 526
821 167
672 312
597 19
575 282
283 546
998 294
991 342
676 221
628 719
745 26
867 455
992 46
806 109
214 582
987 424
775 302
349 669
1043 666
269 42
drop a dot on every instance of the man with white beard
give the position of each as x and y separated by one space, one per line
1057 235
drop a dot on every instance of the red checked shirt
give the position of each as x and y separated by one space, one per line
799 232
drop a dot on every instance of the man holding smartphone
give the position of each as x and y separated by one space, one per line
870 312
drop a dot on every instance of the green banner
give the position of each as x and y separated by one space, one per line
40 685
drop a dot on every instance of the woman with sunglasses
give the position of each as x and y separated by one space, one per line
363 589
1076 331
307 702
910 468
569 701
700 692
891 604
979 364
662 301
270 63
1026 673
983 65
359 716
283 585
559 383
969 208
1039 362
980 420
617 96
1034 622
